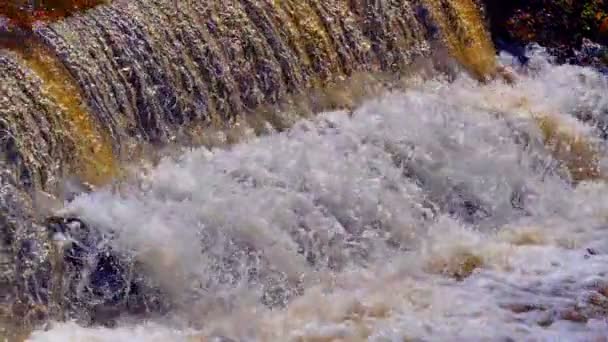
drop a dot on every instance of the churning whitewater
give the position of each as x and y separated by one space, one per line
432 213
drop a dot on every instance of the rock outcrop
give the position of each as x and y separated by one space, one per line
566 28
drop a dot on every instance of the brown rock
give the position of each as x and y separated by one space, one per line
574 315
523 307
23 14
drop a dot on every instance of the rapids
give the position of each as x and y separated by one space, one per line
436 212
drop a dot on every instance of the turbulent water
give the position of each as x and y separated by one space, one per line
432 213
82 95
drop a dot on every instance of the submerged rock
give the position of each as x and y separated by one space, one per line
61 268
98 284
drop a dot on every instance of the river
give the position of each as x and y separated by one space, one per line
444 210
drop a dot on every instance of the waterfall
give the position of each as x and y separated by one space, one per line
145 71
437 178
82 94
435 211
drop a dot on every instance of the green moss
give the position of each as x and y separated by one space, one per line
588 17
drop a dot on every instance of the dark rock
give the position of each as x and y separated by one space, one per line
566 28
524 307
517 49
99 283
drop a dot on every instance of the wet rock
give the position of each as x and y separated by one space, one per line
591 251
546 320
574 315
567 28
98 283
458 266
24 14
518 50
599 300
524 307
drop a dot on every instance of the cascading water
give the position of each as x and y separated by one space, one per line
81 96
157 70
442 209
435 212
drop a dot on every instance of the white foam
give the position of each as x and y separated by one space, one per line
334 187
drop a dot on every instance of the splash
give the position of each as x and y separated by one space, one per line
433 212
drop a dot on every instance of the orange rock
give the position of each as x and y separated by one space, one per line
603 28
23 14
